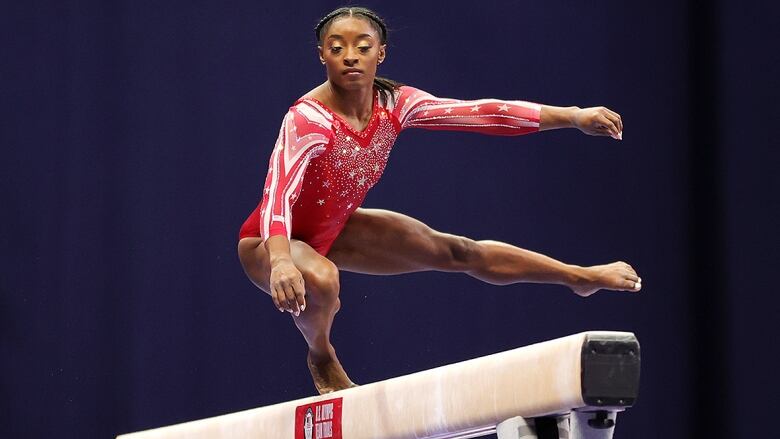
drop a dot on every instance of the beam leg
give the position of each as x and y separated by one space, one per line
547 427
593 424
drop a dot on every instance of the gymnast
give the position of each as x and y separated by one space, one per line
332 147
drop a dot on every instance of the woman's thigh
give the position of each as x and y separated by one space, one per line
377 241
257 266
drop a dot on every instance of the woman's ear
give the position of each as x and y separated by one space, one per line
319 53
382 53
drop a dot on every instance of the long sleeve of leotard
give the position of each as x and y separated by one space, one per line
415 108
303 135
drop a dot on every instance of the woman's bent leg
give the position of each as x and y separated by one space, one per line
321 278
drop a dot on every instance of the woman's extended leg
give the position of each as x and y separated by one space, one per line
378 241
321 279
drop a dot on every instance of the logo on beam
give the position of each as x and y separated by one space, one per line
319 420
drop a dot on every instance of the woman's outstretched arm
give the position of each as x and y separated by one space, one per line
417 108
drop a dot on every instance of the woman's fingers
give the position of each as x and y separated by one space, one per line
300 295
298 298
292 304
633 283
287 288
629 285
608 126
615 130
601 121
276 298
616 119
281 297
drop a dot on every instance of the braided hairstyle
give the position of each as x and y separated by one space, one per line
385 86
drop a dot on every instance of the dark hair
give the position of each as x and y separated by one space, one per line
385 86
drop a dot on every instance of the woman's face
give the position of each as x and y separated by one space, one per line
351 51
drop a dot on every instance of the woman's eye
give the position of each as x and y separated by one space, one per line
335 49
364 49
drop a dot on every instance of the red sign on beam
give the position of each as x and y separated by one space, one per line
319 420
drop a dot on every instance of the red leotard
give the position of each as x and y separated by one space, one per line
321 168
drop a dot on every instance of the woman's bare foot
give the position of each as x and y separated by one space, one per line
615 276
327 372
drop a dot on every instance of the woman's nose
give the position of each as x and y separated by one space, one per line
350 57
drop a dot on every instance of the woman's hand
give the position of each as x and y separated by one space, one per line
287 288
598 121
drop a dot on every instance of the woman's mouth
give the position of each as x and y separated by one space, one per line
352 72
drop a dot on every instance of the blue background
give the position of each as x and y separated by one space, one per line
135 137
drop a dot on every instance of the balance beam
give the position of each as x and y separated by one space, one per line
594 373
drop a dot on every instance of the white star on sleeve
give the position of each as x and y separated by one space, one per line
320 202
475 108
504 107
448 110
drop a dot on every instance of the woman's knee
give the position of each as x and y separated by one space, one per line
322 283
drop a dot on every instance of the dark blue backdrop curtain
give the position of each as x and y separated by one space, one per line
135 137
